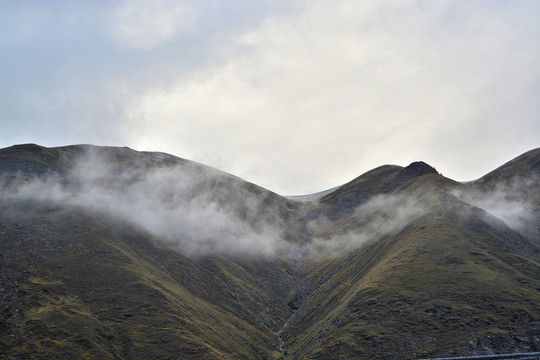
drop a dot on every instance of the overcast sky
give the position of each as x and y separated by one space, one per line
295 96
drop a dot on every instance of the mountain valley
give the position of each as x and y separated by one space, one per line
114 253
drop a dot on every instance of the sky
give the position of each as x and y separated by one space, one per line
295 96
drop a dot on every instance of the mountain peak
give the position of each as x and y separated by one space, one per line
418 168
414 170
107 251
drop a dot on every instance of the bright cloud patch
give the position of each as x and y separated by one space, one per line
296 96
346 80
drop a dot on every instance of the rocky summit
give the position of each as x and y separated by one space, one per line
111 253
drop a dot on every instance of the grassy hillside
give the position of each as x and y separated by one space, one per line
400 263
442 286
453 280
81 285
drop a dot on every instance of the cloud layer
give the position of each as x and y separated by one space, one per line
297 96
201 211
186 205
513 201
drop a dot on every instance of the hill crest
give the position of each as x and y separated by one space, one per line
113 253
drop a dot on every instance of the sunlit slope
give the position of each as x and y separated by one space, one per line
453 280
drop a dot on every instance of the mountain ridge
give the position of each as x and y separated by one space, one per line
112 253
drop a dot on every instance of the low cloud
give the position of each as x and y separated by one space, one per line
379 216
511 201
202 211
183 205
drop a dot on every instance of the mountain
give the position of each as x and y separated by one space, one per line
114 253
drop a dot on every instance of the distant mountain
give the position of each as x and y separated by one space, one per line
113 253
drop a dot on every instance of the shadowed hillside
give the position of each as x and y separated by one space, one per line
113 253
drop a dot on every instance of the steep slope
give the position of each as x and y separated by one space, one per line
79 284
82 277
169 178
445 285
511 193
524 166
452 280
113 253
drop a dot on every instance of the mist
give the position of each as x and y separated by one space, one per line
512 201
201 211
182 203
379 216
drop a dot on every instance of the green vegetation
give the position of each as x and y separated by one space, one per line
451 280
87 285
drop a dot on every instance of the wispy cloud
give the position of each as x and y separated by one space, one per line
186 205
202 211
512 201
380 216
